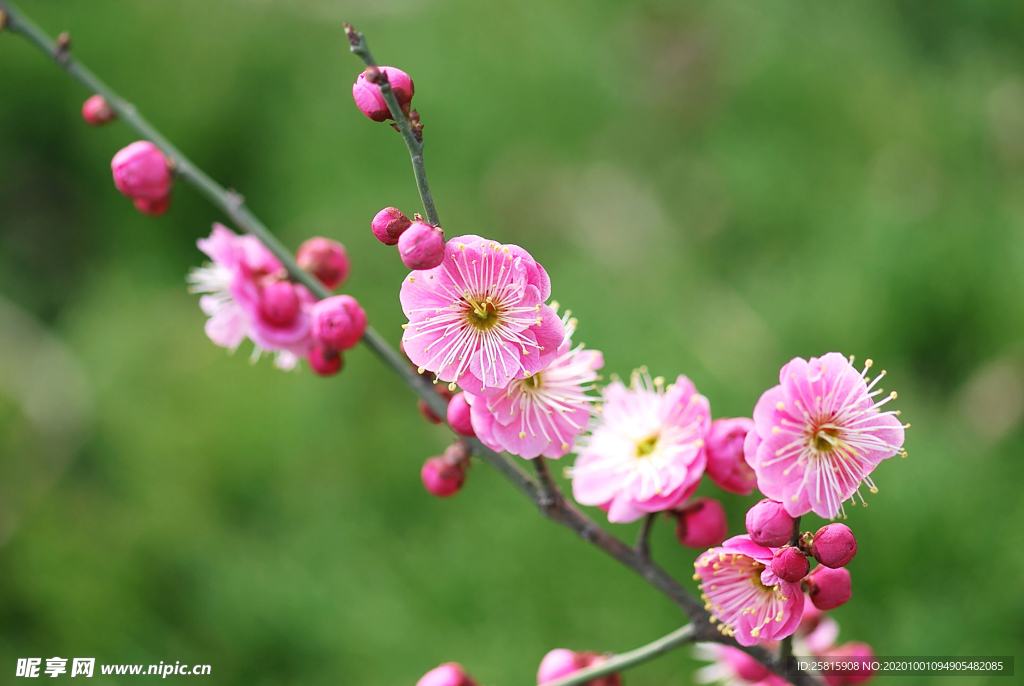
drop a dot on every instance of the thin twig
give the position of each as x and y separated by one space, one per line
548 489
413 139
624 661
643 537
233 205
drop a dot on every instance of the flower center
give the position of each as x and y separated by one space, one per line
825 439
482 315
532 382
646 446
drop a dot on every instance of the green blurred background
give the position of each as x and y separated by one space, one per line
714 187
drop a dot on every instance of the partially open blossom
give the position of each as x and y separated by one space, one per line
829 588
769 524
726 466
246 295
479 318
369 99
421 246
701 523
325 362
338 322
560 663
744 595
443 476
545 412
819 434
732 667
448 674
834 545
141 172
646 454
859 655
789 564
459 415
389 224
96 111
325 259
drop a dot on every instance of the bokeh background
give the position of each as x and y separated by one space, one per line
715 187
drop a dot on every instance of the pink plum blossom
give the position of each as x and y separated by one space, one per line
819 434
239 288
479 319
646 453
543 413
744 594
726 466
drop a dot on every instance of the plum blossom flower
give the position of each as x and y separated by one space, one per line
233 287
543 413
479 319
744 595
646 453
820 433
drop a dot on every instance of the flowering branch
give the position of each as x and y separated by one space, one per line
618 663
542 492
413 138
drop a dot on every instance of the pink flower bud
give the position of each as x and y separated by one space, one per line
389 224
458 415
325 362
726 466
443 476
279 303
141 171
560 663
421 246
369 100
96 111
428 413
769 524
855 652
338 322
829 588
701 523
154 208
448 674
325 259
789 564
834 545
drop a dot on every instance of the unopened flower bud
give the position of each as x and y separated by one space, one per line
279 303
443 476
701 523
325 259
421 246
338 322
96 111
154 208
726 466
789 564
458 415
325 362
829 588
388 225
141 172
448 674
769 524
369 99
834 545
560 663
855 652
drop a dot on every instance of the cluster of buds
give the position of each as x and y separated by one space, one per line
420 245
144 174
444 474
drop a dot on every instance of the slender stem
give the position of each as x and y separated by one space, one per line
413 138
624 661
794 536
643 537
548 489
233 205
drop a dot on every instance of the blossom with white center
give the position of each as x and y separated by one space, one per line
646 452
